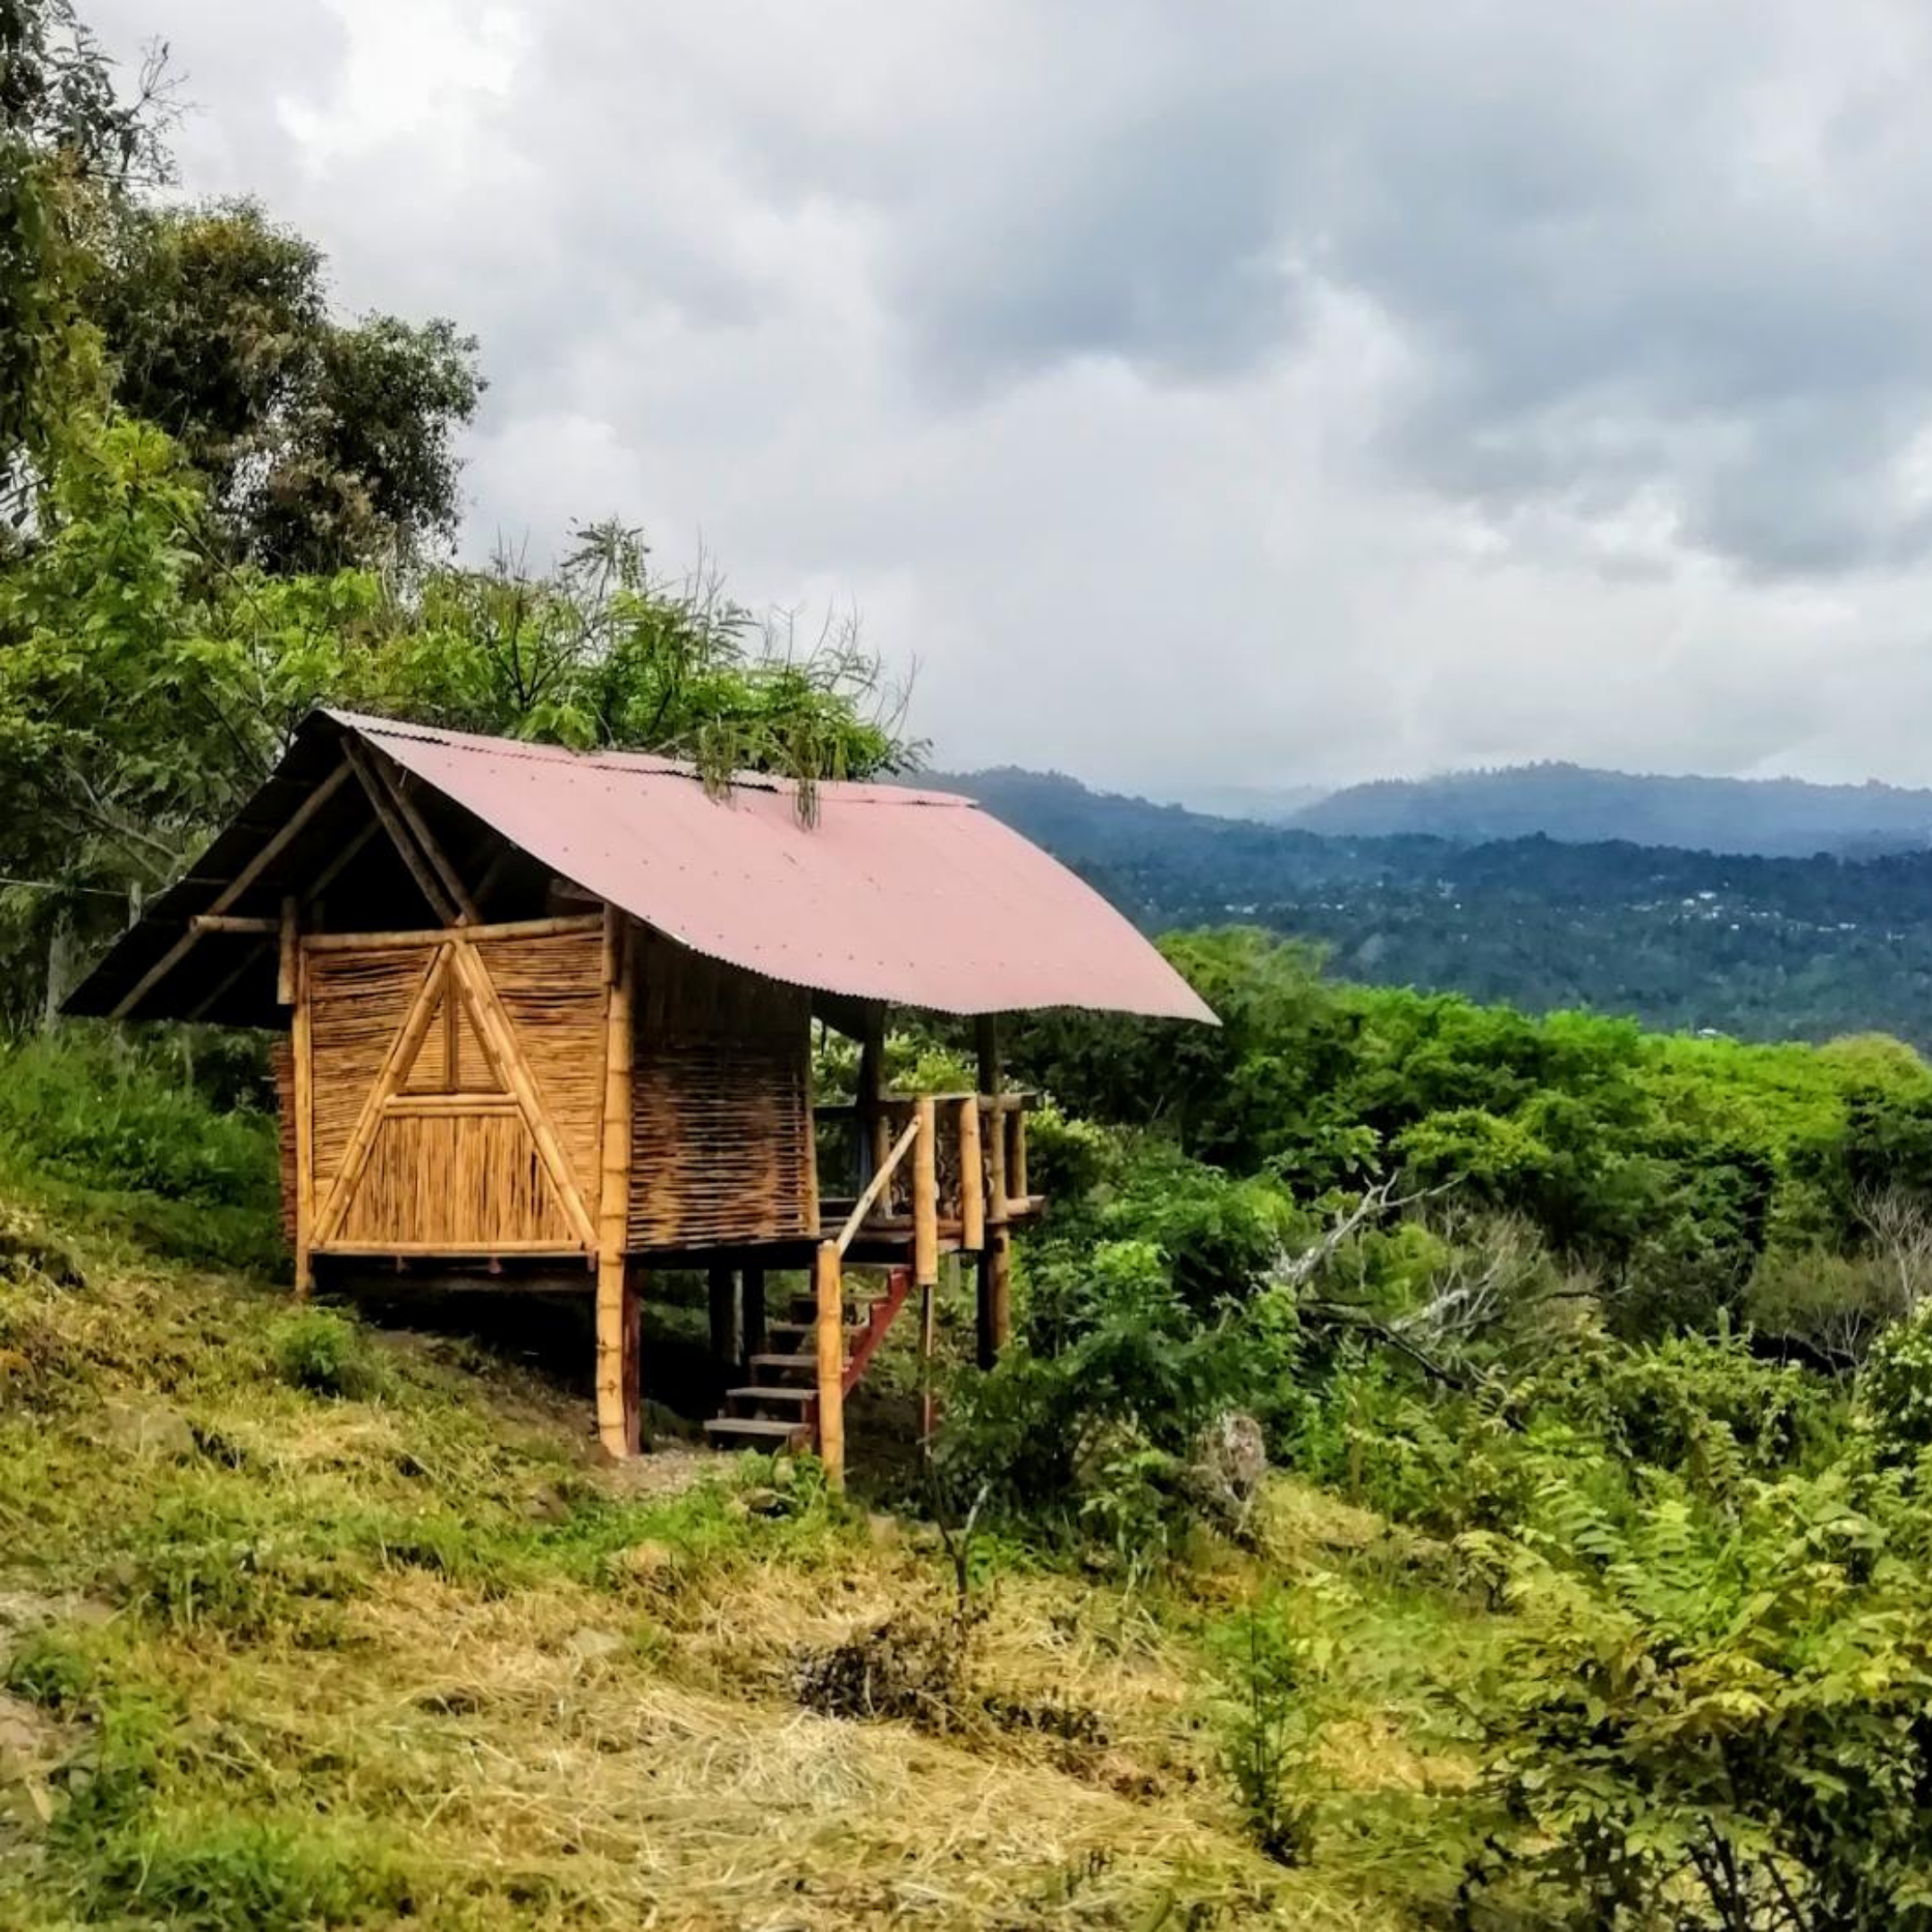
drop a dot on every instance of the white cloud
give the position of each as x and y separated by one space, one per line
1203 396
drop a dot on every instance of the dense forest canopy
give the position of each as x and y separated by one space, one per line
1791 948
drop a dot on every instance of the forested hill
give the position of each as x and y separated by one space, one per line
1782 818
1765 948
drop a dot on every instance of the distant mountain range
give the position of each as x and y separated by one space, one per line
1771 817
1762 944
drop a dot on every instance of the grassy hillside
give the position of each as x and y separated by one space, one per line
302 1625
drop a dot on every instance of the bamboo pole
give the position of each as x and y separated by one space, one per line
972 1177
302 1048
428 884
233 922
925 1196
390 776
402 1052
616 1318
998 1279
288 959
829 1279
929 1419
296 822
427 936
997 1195
877 1186
1016 1176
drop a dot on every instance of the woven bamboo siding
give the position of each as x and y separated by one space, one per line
357 1004
281 1059
721 1102
553 990
466 1181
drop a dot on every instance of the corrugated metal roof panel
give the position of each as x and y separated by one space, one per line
919 898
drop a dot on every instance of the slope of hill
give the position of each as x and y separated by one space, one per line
1769 817
302 1625
1764 947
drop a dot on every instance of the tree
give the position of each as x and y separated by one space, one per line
326 445
146 685
70 147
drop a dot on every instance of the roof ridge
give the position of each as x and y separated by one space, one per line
653 764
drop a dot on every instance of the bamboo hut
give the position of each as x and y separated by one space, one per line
547 1016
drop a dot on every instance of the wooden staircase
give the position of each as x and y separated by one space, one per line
779 1407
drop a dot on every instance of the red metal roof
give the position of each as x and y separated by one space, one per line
917 898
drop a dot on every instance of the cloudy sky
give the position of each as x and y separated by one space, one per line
1202 394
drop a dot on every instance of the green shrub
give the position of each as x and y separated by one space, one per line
1895 1389
93 1107
1711 1721
327 1354
1268 1732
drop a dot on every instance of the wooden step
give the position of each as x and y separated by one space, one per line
754 1426
811 1328
783 1361
771 1393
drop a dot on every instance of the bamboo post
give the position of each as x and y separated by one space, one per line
1016 1174
927 1418
302 1051
972 1177
925 1196
991 1273
288 960
829 1276
618 1311
997 1262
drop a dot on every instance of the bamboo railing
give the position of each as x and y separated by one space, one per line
948 1169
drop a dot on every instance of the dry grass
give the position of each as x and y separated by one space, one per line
420 1654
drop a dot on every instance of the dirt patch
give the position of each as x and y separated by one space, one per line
667 1470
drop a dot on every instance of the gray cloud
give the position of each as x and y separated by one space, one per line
1237 393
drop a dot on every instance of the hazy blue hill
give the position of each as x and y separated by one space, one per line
1765 946
1770 816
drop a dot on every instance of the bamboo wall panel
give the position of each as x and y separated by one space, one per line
282 1060
357 1005
720 1106
552 989
456 1181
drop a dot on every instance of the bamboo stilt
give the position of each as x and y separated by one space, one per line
304 1052
829 1278
926 1197
996 1294
618 1315
928 1420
